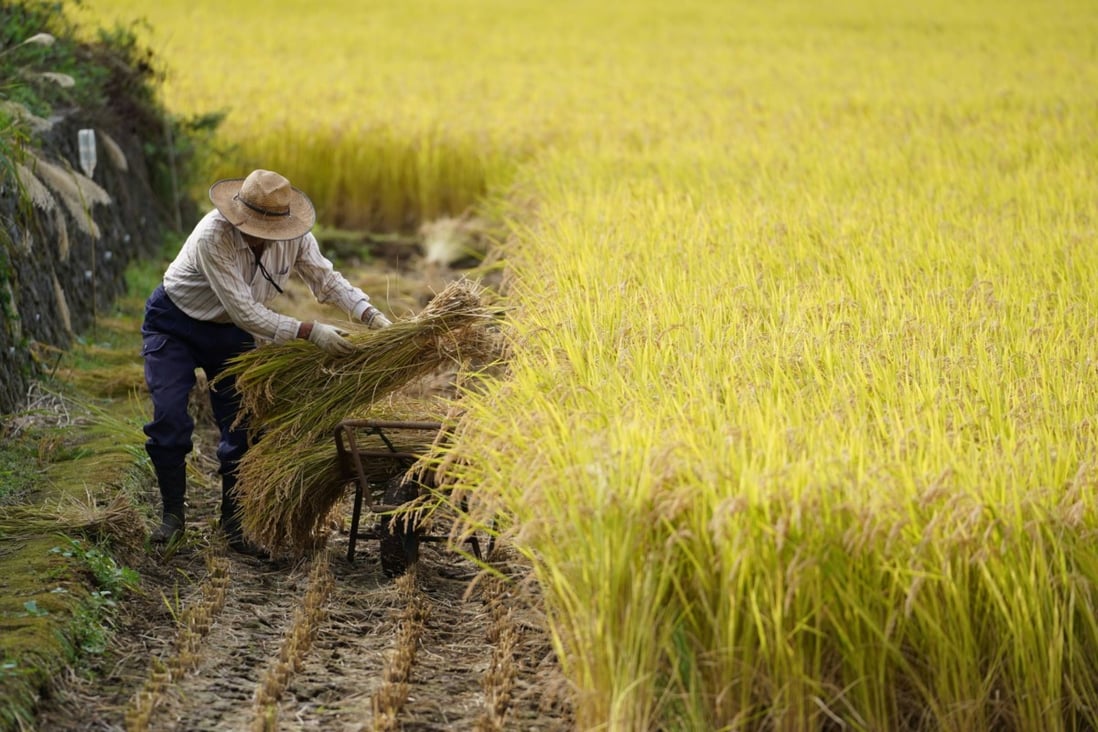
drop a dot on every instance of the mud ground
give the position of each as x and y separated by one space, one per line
214 640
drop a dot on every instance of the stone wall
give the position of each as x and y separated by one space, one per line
58 267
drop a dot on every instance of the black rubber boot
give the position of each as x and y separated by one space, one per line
171 528
173 489
230 521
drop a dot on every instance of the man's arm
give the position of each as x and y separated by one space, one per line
331 287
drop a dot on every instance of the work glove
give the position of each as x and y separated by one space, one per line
375 319
330 339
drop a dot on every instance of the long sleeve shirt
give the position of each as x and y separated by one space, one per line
215 277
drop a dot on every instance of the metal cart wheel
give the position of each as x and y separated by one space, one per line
380 469
399 536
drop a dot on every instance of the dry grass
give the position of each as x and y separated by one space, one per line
78 192
36 191
390 697
116 519
114 152
62 302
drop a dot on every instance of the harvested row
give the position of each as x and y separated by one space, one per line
228 662
325 645
524 686
334 687
295 646
419 653
391 697
499 679
195 622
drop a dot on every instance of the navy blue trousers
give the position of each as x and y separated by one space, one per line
174 346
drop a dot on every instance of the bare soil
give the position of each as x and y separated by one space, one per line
215 640
219 641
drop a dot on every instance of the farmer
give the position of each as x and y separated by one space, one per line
212 306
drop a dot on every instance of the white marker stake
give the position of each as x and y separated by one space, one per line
86 140
87 151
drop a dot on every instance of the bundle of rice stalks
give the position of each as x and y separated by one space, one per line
295 397
287 488
294 384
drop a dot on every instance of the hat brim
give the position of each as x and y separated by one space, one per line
297 223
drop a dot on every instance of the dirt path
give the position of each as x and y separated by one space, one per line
213 640
218 641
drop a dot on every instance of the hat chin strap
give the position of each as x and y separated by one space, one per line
260 209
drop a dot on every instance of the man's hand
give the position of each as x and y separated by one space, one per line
330 339
375 319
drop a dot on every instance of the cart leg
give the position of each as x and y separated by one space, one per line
356 514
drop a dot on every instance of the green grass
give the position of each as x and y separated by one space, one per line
19 468
73 480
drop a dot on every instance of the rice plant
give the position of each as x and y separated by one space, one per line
798 427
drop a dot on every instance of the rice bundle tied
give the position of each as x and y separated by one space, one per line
294 396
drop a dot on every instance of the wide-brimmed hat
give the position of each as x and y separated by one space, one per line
264 205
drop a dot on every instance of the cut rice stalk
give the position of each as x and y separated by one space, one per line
289 481
293 384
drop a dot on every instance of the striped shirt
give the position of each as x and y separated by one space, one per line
215 277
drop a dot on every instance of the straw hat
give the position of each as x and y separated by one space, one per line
264 205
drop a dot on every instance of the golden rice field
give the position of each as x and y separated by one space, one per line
801 430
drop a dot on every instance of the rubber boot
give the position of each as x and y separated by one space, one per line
173 489
230 521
